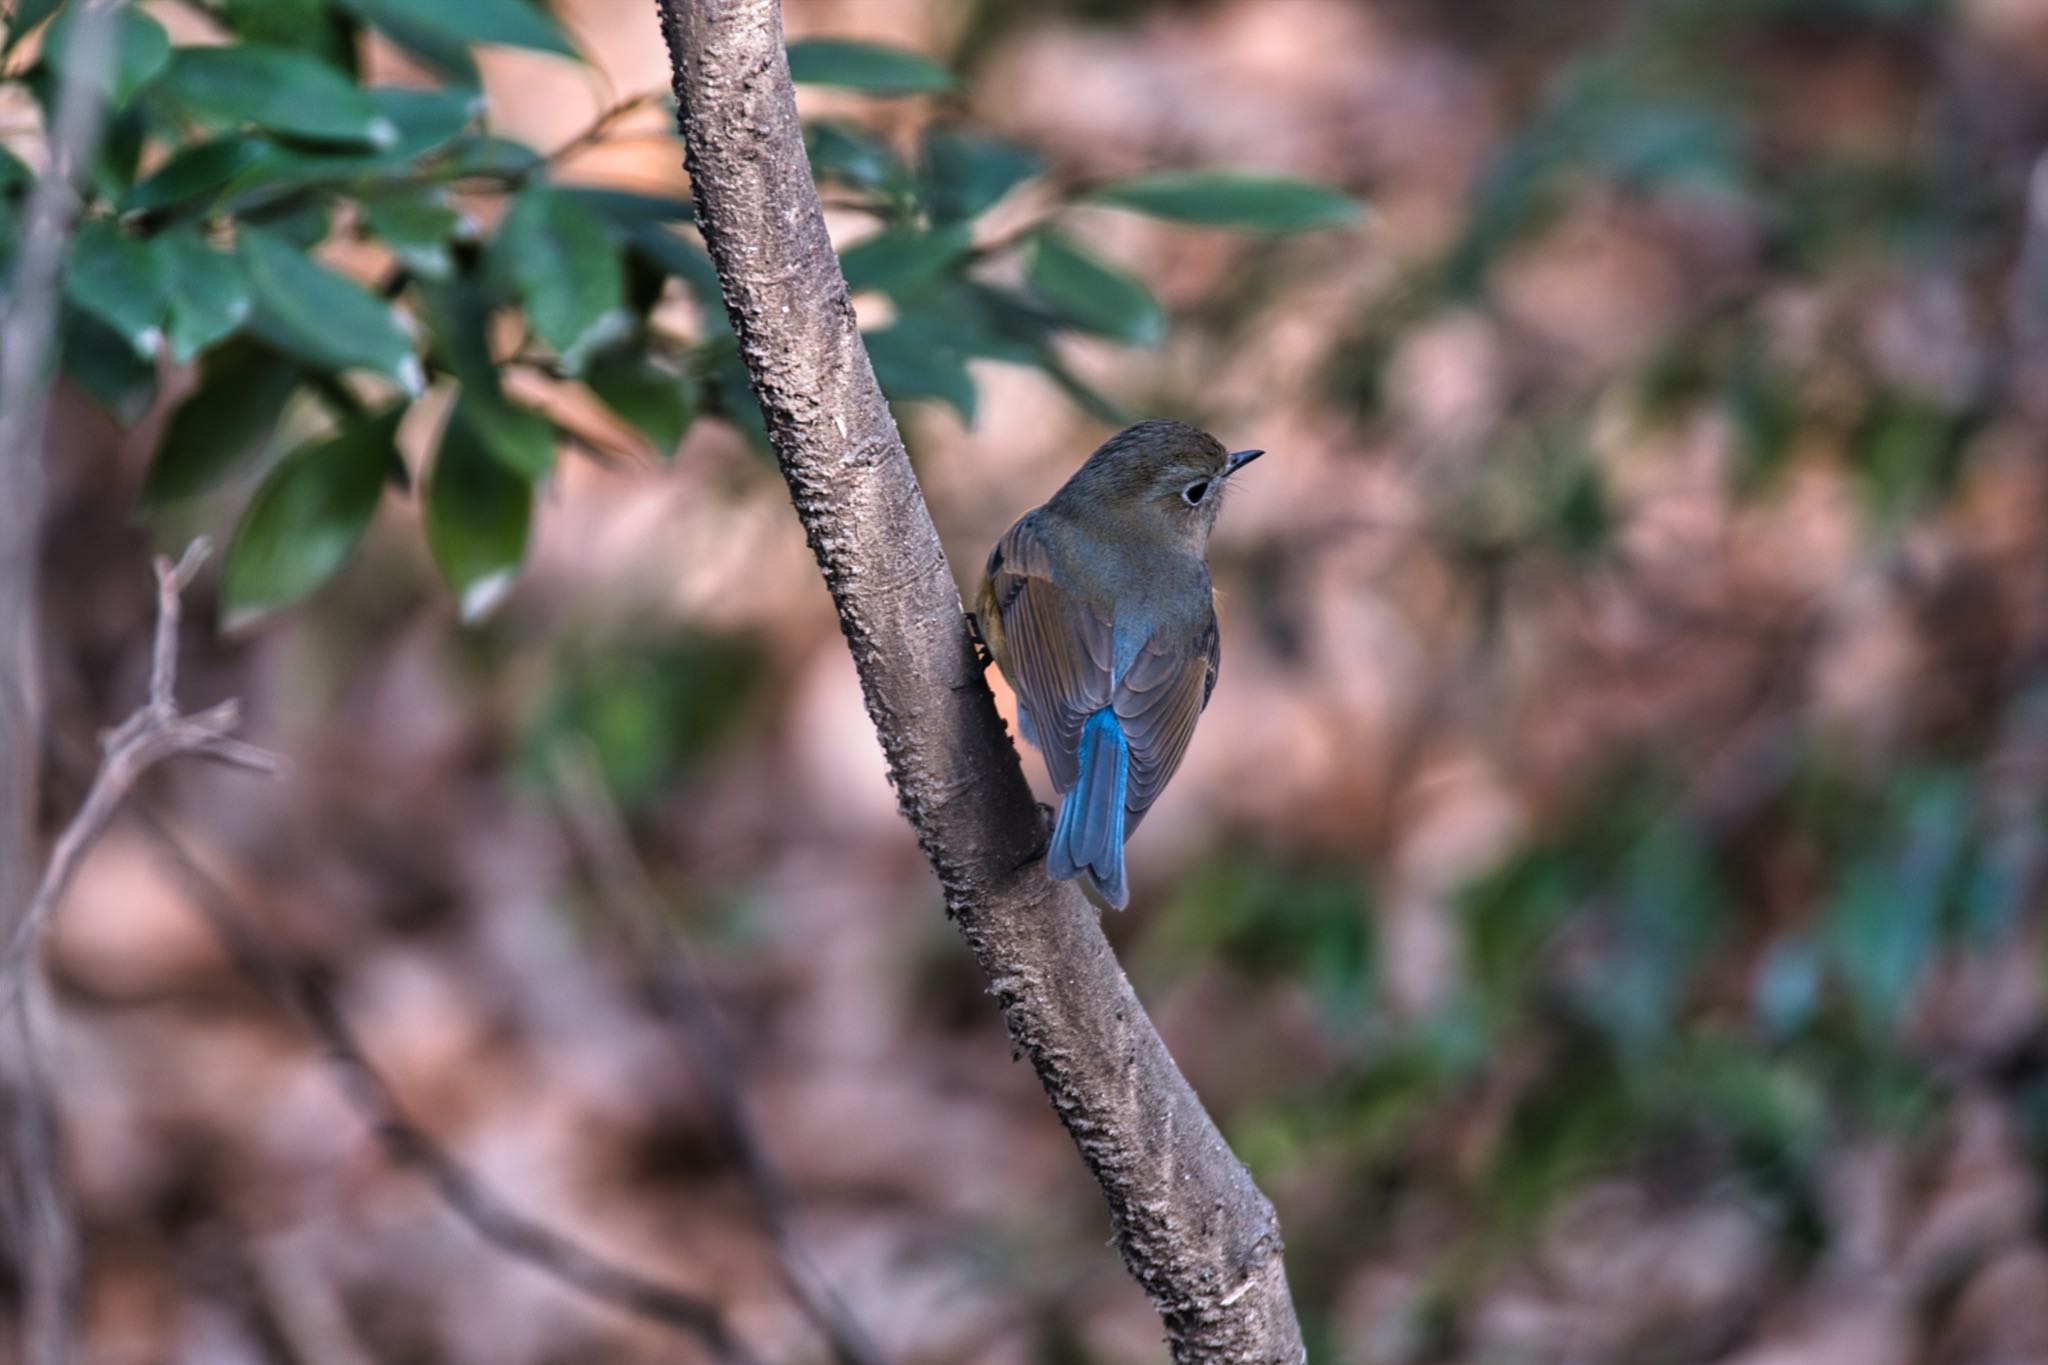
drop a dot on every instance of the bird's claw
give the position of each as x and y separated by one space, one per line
1046 816
983 656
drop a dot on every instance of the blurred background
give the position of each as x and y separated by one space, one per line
1602 903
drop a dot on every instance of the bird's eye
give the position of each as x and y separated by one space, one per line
1194 491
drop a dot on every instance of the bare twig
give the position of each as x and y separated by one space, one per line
1194 1229
37 1212
599 129
299 989
154 733
632 908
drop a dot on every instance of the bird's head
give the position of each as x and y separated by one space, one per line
1161 474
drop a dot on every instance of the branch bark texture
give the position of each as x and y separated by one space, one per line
1194 1230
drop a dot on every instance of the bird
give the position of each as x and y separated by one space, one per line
1098 609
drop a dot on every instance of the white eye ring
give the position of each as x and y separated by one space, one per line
1195 492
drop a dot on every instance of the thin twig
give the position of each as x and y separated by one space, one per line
154 733
299 989
632 906
599 128
38 1213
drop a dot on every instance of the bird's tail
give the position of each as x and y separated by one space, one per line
1089 835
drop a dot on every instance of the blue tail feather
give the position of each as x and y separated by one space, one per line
1089 835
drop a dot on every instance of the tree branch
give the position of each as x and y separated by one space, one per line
1195 1231
155 733
37 1214
300 990
632 909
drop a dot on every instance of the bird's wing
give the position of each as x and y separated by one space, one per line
1159 698
1059 648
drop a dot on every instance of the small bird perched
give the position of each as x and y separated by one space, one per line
1098 609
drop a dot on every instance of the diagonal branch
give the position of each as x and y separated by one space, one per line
1195 1231
301 991
633 911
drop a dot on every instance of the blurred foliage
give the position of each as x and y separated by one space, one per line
235 173
650 709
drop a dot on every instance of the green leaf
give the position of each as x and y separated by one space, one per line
629 208
902 258
329 321
141 50
427 120
120 279
435 28
417 223
966 172
226 423
675 255
303 220
1092 294
308 25
655 400
458 317
477 515
564 261
99 361
495 158
276 88
521 439
307 517
851 155
23 17
197 171
1253 203
910 364
210 295
871 67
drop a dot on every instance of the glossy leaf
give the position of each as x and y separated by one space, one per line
655 400
966 172
520 438
210 295
874 68
417 223
478 513
141 49
629 208
307 517
851 155
900 258
437 29
199 171
1092 294
564 261
120 279
318 315
283 90
100 362
498 158
1250 203
910 364
225 424
309 25
673 254
22 17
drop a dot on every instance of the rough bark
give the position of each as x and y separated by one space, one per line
1194 1230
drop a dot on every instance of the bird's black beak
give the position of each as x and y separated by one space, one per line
1238 460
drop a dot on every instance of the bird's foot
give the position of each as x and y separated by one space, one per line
983 656
1046 816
